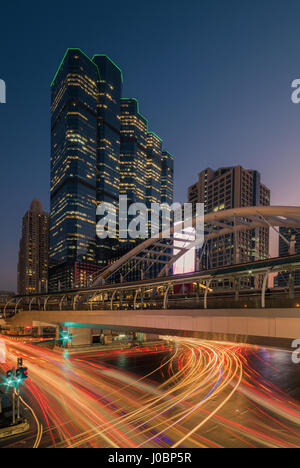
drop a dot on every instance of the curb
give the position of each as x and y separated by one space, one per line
14 430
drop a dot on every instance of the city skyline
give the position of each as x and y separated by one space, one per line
150 228
238 100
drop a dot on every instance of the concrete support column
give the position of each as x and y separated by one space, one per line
30 304
135 302
80 336
17 303
292 246
142 297
46 302
197 292
263 292
208 283
166 296
292 284
112 299
237 282
75 301
61 302
236 245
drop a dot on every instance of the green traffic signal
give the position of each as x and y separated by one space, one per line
15 378
9 377
21 374
65 336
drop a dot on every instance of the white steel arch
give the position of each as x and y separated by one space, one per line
217 224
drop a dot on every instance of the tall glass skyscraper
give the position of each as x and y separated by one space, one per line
133 155
34 249
167 178
108 146
100 149
74 100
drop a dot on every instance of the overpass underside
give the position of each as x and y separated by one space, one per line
269 327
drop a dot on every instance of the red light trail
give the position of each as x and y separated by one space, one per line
211 395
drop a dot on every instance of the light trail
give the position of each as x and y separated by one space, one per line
212 395
39 426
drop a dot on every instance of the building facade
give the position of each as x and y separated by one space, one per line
167 178
33 251
100 149
223 189
288 237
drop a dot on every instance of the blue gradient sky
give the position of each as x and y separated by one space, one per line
213 77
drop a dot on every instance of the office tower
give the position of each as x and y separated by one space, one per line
154 168
99 150
146 171
225 188
289 243
133 157
33 252
167 178
74 100
108 146
133 161
85 142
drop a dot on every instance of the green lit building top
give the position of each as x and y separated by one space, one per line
100 148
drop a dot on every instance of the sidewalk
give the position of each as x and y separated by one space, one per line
7 429
106 348
14 430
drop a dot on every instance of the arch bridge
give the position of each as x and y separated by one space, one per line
112 290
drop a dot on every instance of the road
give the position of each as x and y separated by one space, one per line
192 393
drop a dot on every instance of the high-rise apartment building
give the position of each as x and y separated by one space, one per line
288 237
225 188
100 149
33 252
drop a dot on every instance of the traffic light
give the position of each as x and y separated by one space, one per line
21 374
18 375
66 337
24 373
9 377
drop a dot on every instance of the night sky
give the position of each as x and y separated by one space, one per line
212 76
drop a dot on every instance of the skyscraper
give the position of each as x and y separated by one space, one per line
146 172
33 252
225 188
74 100
100 149
167 178
133 155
